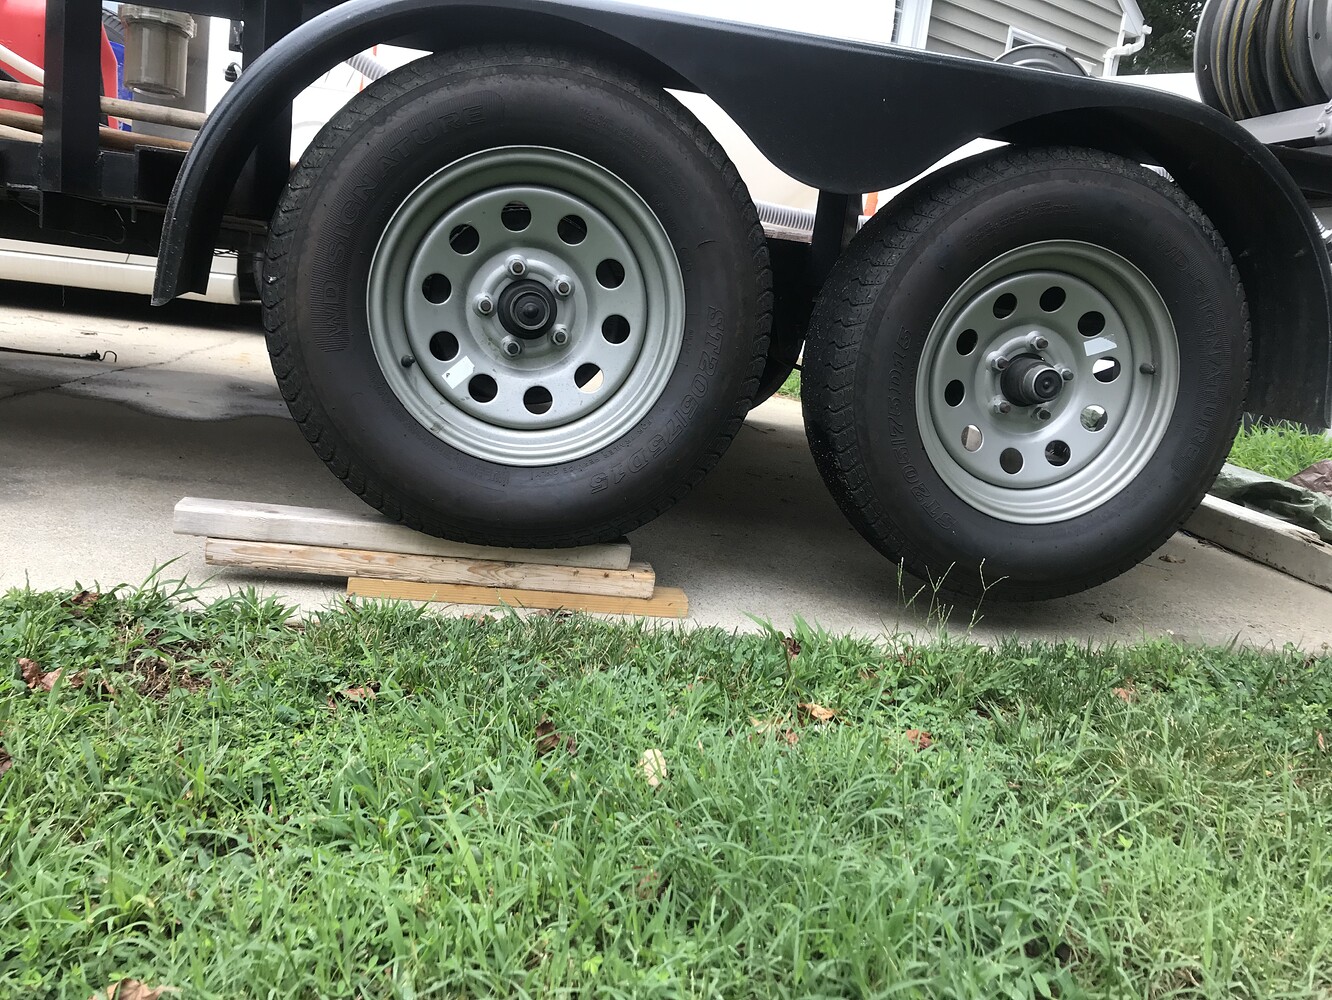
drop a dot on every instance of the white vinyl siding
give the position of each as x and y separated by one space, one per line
980 28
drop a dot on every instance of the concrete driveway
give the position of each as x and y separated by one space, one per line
95 454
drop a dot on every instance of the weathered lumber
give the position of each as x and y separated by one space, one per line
268 522
666 602
319 560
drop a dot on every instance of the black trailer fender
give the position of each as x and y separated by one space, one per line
842 117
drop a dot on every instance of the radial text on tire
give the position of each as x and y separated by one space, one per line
1025 373
517 297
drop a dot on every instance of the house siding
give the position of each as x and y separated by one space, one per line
979 28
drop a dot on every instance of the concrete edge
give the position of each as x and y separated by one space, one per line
1295 551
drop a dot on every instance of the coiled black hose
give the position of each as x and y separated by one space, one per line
1257 57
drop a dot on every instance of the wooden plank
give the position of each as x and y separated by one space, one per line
1287 547
666 602
318 560
364 529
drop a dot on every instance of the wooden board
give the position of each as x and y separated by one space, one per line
364 529
318 560
1265 539
666 602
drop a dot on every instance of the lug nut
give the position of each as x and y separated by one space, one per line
485 305
516 265
1037 341
1042 413
512 346
563 286
559 336
1000 405
1066 373
997 361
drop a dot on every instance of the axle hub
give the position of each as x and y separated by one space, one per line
527 309
1030 381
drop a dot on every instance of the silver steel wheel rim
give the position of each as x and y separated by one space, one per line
435 294
1120 380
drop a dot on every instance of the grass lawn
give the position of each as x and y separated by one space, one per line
791 387
388 803
1279 450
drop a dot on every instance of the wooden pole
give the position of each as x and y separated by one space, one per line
153 114
110 137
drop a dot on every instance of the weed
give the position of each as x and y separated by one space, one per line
1279 450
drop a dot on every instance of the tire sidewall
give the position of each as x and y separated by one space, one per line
367 176
1147 227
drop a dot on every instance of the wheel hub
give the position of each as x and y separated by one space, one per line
527 309
1029 381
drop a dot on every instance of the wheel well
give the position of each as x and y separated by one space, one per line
1270 231
472 27
271 84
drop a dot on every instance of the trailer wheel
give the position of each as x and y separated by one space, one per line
1024 375
516 297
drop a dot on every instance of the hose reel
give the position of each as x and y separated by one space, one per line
1258 57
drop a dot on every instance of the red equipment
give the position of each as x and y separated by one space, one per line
23 32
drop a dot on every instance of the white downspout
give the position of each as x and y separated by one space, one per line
1110 64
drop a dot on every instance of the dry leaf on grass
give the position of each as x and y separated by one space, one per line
920 738
74 680
132 989
6 761
48 680
791 646
548 738
653 766
1127 693
40 680
31 671
82 600
650 886
1322 745
776 727
817 712
353 696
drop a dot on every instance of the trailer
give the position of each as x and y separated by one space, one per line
516 294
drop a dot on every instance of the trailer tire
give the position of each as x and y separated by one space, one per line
585 395
1013 276
792 303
